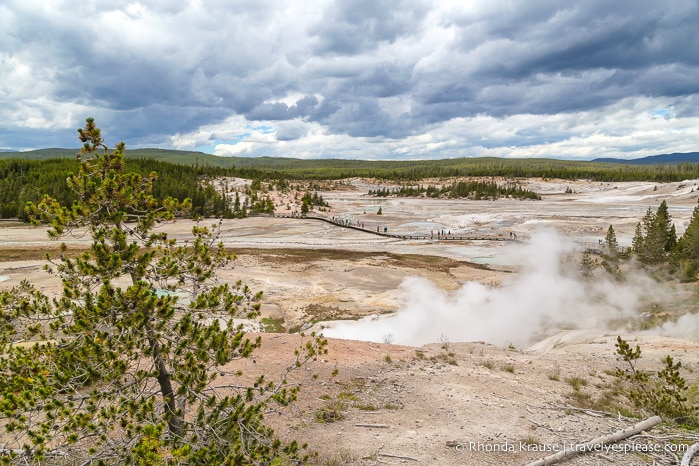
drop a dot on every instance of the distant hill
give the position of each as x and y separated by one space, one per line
659 168
662 159
165 155
286 163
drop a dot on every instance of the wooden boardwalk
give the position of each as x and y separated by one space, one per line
591 247
381 232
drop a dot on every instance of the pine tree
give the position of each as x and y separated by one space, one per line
611 243
655 236
637 243
688 248
663 223
121 370
587 265
236 203
610 256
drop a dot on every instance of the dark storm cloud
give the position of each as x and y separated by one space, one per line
564 58
361 118
378 69
281 111
349 27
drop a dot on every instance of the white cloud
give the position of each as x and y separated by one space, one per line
534 79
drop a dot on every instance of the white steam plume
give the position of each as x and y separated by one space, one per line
685 327
536 302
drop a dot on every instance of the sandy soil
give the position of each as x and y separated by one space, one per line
432 402
487 405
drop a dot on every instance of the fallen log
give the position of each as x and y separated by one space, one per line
687 458
593 444
400 457
376 426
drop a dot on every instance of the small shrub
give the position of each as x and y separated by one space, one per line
576 382
608 401
364 407
663 393
272 325
331 412
530 440
347 396
445 342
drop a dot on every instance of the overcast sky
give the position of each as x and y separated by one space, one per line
369 79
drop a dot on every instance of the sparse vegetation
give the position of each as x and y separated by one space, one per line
364 407
273 325
446 357
488 364
347 396
555 375
576 382
663 392
531 440
331 411
473 189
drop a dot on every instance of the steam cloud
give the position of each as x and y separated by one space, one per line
545 297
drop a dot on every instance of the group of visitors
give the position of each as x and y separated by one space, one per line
345 222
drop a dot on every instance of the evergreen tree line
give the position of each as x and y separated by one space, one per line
279 168
415 170
655 245
23 181
308 201
463 189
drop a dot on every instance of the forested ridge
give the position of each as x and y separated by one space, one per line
408 170
185 174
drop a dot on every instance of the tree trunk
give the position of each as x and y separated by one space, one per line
175 420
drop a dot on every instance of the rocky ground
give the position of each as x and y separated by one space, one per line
470 403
